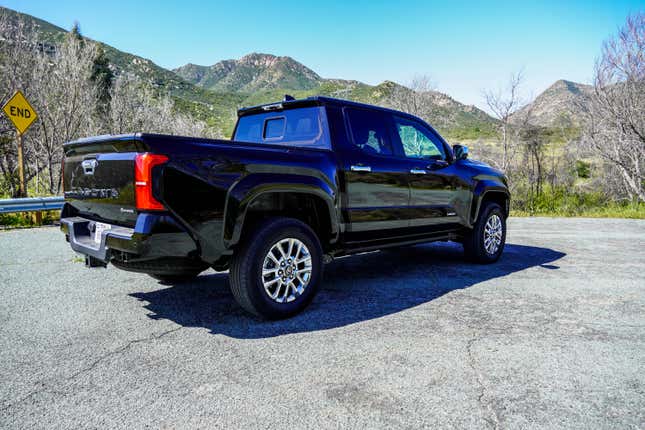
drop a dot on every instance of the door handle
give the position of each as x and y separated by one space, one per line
418 171
361 169
438 164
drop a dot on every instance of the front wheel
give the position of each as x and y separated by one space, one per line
276 271
485 242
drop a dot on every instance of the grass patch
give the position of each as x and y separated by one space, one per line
26 219
611 211
564 203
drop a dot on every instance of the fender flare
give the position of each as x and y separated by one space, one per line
487 186
243 193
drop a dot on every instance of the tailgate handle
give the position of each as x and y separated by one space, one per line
89 166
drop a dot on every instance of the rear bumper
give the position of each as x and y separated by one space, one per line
79 233
153 237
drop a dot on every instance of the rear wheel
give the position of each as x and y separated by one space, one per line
485 242
276 271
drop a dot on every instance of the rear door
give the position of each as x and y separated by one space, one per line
377 192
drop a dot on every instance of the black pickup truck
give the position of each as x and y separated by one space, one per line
301 182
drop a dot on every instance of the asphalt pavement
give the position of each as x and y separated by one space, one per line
552 336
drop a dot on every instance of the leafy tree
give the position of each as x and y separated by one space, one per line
583 169
75 32
102 75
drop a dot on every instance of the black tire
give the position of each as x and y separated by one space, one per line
474 247
246 277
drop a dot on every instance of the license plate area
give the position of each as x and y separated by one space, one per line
99 228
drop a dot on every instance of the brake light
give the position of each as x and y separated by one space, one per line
143 181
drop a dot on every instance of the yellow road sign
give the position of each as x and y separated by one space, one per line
20 112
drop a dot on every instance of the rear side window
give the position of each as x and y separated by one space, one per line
305 127
369 131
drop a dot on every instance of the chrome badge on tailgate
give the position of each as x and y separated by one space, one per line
92 193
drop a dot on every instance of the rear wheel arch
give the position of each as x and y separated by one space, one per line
311 206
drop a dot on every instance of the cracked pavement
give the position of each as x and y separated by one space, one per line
552 336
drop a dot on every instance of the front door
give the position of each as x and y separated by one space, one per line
437 194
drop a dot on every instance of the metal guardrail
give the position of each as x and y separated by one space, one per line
31 204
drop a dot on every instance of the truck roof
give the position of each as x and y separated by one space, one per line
289 103
315 101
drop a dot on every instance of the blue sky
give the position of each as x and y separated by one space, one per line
465 47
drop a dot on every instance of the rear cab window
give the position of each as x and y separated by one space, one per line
302 127
274 128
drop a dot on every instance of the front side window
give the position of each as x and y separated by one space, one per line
417 141
369 131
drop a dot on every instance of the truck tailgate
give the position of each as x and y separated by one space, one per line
99 181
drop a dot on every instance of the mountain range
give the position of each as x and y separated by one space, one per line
213 93
560 104
253 72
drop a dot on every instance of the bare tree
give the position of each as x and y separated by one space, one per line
56 81
135 107
61 82
18 48
415 97
18 45
66 98
560 163
504 104
533 144
615 119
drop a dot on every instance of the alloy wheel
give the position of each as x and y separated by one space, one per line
493 234
286 270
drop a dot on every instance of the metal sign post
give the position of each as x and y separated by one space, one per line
21 166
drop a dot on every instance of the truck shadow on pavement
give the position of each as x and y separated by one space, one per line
355 289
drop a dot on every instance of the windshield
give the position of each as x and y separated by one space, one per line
305 127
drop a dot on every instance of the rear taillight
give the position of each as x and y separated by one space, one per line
143 181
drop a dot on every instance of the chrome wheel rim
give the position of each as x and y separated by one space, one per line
286 270
493 234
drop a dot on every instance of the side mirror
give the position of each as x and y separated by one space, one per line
460 151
